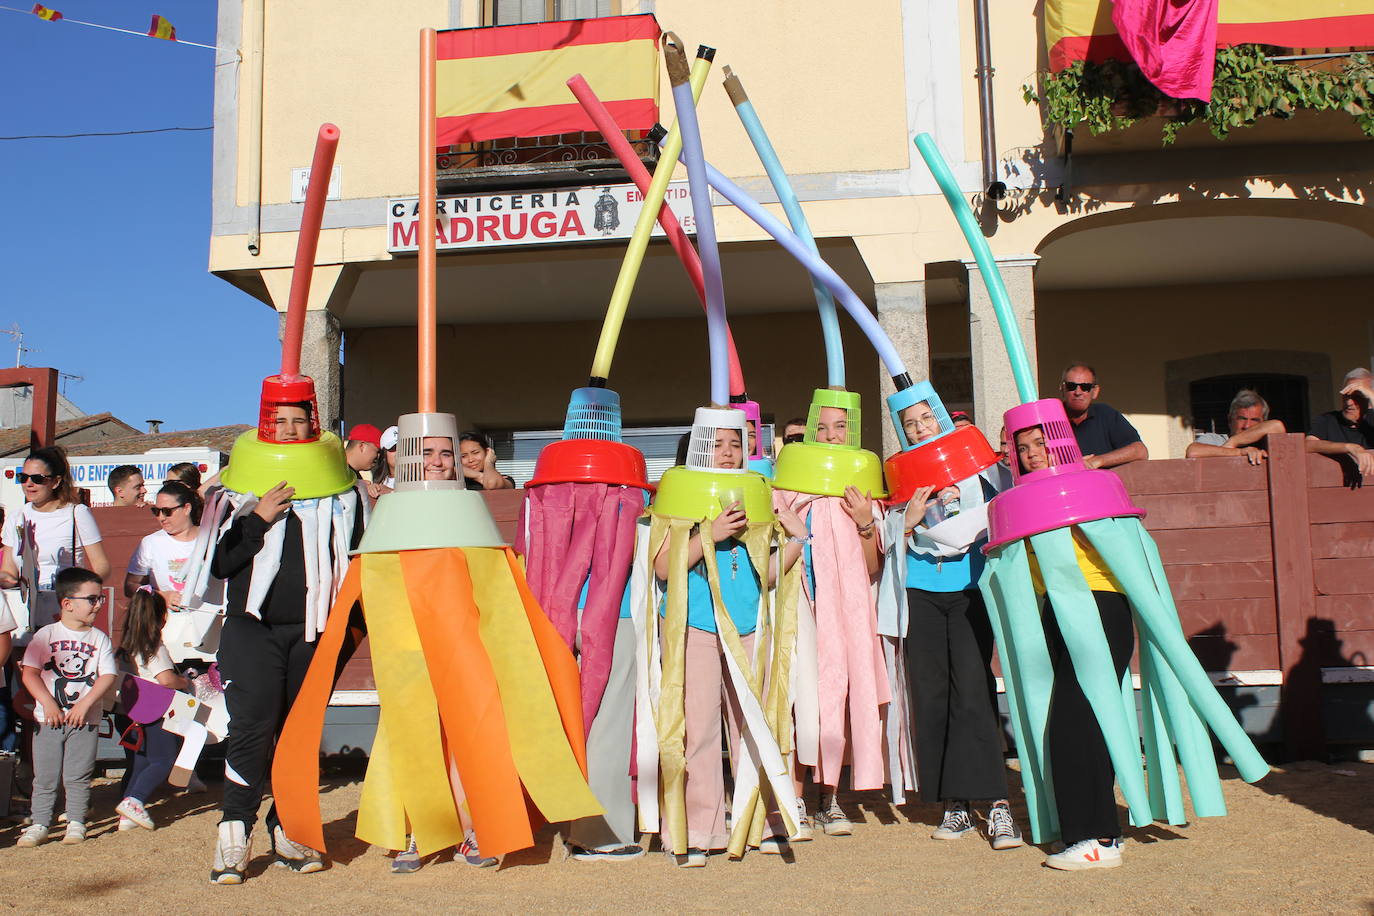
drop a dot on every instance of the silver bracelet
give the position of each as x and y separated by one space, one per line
793 539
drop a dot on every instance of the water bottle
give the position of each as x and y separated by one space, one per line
949 501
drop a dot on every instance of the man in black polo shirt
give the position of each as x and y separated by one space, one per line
1350 430
1105 437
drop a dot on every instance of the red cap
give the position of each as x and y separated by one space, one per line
365 432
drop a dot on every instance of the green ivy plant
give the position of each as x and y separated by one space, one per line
1113 95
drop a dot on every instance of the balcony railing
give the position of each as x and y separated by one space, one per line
576 158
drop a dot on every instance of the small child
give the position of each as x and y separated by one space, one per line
142 654
69 667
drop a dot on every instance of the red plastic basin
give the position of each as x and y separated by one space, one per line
590 461
953 457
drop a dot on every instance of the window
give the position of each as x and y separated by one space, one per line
1210 399
514 12
517 451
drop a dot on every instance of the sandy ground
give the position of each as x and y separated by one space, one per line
1301 841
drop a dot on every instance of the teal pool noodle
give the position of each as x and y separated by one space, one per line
987 266
1075 610
782 186
1134 560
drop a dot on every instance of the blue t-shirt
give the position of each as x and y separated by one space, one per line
952 574
739 591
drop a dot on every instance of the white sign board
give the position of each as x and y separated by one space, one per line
300 180
592 213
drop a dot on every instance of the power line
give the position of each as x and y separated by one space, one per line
108 133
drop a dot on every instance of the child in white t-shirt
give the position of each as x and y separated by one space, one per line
69 667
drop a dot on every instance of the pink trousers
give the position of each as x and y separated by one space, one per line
706 694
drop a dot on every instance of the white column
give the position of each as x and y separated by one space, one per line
994 388
902 314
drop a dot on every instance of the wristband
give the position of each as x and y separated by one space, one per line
793 539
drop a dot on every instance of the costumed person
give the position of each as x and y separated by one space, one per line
1065 665
934 562
588 490
149 750
479 736
710 602
842 700
842 688
690 647
278 534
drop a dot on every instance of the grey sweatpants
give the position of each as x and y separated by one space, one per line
66 753
608 753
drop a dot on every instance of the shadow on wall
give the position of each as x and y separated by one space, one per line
1322 715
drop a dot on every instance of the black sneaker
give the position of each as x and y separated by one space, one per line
1002 830
957 823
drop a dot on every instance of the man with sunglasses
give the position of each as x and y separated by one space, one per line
1105 437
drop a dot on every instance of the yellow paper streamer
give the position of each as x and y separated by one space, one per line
539 746
407 779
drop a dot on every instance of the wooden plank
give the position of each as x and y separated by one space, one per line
1348 576
1190 475
357 674
1226 509
1187 546
1346 612
122 528
1236 653
1325 471
505 510
1343 539
1221 581
1337 504
1234 616
1303 732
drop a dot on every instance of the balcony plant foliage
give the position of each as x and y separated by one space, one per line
1113 95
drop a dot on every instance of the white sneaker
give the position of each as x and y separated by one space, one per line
233 849
293 855
33 835
772 846
126 824
695 858
76 833
1087 854
132 809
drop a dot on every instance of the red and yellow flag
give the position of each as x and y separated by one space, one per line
510 81
1083 30
161 28
42 12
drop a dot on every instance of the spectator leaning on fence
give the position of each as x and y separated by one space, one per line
1350 430
1249 424
1105 437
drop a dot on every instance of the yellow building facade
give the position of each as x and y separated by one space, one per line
1175 271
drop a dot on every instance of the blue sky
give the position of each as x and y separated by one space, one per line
104 240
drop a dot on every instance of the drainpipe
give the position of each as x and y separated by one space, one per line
253 92
995 189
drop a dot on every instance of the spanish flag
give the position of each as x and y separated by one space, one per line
510 81
42 12
161 28
1083 29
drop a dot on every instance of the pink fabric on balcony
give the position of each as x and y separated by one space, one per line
1172 41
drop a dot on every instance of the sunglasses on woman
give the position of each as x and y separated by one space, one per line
39 479
165 512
